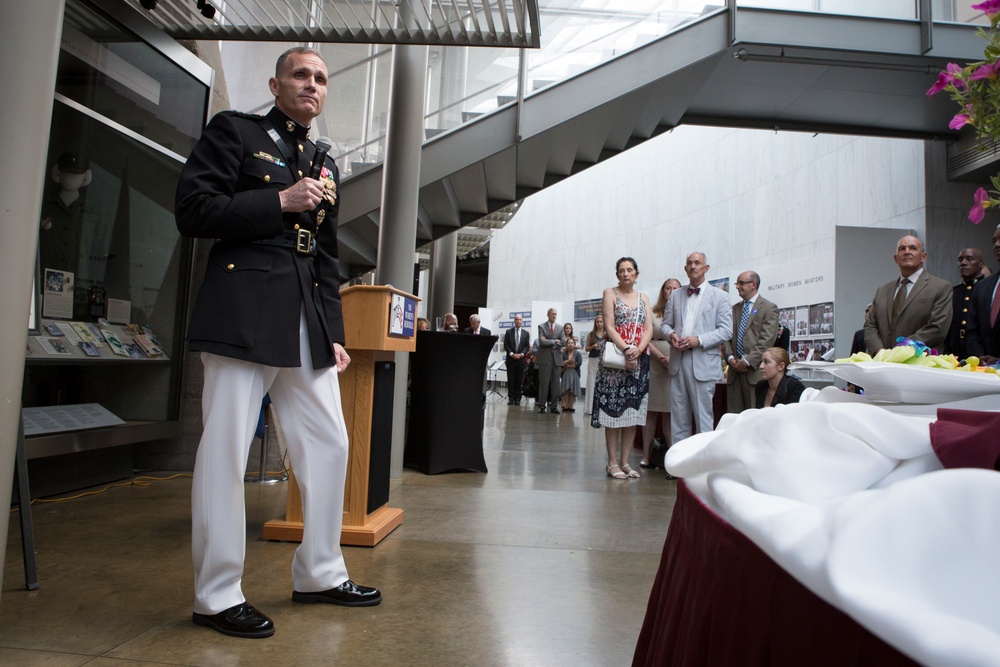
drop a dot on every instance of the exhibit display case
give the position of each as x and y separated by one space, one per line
128 107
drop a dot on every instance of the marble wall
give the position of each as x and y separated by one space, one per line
748 199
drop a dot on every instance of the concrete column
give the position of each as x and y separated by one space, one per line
30 50
444 259
398 215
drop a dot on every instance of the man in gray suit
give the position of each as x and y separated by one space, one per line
551 341
755 328
916 305
696 321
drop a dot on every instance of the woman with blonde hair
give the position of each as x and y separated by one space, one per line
659 376
776 387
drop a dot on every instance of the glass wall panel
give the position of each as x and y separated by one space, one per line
958 11
886 9
124 117
105 68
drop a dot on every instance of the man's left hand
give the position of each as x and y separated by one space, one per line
343 359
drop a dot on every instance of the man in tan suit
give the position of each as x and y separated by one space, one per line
916 305
755 328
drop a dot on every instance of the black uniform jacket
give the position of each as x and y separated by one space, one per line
250 302
981 337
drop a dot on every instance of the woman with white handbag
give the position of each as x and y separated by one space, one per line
622 385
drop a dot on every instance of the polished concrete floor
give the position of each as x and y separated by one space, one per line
542 561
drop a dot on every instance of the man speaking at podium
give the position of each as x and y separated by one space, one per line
268 319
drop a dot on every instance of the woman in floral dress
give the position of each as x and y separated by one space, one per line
621 395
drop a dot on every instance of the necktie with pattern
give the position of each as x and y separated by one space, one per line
743 328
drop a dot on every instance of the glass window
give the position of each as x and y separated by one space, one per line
127 81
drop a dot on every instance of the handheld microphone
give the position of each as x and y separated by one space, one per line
323 146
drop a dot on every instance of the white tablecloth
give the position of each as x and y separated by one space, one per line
849 498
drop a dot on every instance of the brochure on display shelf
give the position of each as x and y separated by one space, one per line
85 341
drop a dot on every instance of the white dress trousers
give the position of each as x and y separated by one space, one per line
688 396
312 421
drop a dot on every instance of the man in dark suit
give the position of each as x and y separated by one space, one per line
970 269
268 319
982 337
475 328
916 305
551 341
755 328
516 343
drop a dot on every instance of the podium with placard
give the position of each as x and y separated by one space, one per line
379 321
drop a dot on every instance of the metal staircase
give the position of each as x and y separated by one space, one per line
752 68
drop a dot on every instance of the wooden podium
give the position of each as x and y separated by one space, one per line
368 313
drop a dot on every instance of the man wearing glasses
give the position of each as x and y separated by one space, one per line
755 328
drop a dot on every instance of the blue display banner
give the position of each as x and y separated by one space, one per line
508 321
402 316
586 310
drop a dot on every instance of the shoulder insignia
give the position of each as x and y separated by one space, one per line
241 114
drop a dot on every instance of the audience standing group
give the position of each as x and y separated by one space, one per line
675 351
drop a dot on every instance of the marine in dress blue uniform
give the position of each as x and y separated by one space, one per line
267 319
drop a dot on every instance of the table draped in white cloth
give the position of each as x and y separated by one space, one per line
849 498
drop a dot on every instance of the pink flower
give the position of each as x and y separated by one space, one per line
943 81
990 7
947 78
960 120
955 71
986 71
981 201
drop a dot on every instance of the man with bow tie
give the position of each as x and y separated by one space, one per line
755 328
696 321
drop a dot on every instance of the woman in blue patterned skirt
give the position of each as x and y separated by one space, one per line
621 395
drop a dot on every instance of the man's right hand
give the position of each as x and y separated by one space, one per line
305 195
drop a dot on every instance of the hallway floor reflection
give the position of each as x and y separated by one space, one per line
542 561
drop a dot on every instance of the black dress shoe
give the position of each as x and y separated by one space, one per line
348 594
554 411
239 621
541 411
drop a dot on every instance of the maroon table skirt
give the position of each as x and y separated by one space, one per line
719 600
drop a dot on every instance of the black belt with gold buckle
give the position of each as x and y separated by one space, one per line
301 241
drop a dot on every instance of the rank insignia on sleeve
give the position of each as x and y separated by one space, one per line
267 157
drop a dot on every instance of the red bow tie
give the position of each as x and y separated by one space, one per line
694 290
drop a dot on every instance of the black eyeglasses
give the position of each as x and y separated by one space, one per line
744 282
